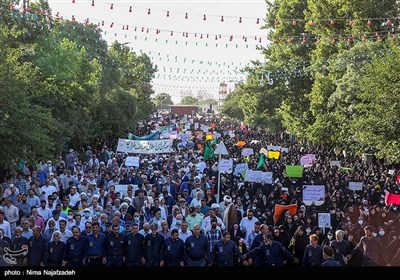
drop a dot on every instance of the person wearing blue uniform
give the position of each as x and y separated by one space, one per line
114 248
94 247
153 244
273 253
225 252
38 251
197 249
173 251
75 248
342 248
56 252
134 248
313 252
328 257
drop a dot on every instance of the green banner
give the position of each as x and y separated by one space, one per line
295 171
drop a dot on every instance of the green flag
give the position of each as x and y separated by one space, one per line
261 161
214 141
208 152
295 171
130 136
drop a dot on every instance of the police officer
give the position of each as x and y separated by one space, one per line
313 254
38 248
225 252
273 253
94 247
56 250
173 251
114 248
197 249
153 244
134 247
75 248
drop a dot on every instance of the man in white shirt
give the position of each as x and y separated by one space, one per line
184 232
4 225
201 165
12 215
74 197
44 211
247 223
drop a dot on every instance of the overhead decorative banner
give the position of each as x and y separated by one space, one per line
144 146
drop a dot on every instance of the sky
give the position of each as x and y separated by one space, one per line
186 64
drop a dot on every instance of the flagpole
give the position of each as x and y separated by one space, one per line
219 179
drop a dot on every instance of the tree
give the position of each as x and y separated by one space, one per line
209 101
24 124
189 100
162 98
230 106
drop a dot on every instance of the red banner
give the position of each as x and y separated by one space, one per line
391 198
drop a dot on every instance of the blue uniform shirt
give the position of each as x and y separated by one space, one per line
197 248
173 251
226 254
134 248
75 248
95 245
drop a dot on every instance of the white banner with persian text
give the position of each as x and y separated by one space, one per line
145 146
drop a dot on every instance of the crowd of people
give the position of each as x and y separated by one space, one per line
89 209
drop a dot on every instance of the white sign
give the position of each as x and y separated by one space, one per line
145 146
267 177
123 188
247 152
196 126
324 220
285 150
225 165
240 167
313 194
132 161
307 159
335 163
204 128
391 171
221 149
273 148
253 176
258 176
355 186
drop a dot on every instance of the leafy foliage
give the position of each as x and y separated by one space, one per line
61 87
